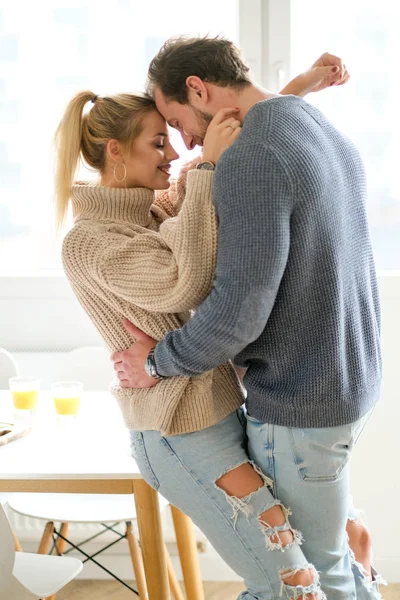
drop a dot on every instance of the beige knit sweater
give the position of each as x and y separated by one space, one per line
125 258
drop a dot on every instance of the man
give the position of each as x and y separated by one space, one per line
295 299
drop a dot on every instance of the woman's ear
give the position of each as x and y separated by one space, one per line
114 150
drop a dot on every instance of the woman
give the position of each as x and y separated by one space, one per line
125 258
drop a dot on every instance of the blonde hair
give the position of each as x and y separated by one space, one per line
85 136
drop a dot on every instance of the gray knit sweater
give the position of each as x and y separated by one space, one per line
295 297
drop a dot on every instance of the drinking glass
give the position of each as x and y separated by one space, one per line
67 398
25 393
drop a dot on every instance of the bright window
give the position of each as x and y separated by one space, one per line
365 34
49 51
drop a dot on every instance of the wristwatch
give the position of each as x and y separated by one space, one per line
207 165
150 366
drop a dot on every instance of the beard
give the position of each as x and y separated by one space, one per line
203 120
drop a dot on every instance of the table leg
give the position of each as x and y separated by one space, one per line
188 555
151 540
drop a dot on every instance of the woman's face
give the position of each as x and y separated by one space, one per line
148 164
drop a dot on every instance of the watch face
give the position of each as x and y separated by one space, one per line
207 166
150 366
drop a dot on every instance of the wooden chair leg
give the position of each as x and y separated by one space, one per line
174 584
60 543
137 562
188 555
18 546
45 542
60 547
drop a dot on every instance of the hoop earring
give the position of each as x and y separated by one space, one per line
115 169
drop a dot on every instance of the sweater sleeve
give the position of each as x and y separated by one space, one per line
171 200
254 210
171 274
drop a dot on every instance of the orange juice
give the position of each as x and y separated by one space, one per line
25 400
67 405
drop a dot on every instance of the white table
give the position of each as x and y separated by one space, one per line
92 456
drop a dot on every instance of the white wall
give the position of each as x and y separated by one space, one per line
375 469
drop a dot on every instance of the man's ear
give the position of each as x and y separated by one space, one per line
197 91
114 150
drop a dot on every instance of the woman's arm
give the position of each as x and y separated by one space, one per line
328 70
170 271
170 201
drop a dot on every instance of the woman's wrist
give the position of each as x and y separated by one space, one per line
297 86
208 158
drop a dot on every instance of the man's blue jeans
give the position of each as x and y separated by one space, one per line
310 470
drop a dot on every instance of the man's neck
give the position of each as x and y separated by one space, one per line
243 99
248 97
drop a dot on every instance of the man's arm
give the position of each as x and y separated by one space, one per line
253 198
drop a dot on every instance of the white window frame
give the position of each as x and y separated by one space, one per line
35 309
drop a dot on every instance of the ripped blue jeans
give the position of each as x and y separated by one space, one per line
185 469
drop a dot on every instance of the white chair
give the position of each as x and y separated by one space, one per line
89 364
8 368
92 367
26 576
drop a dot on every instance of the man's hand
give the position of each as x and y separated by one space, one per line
328 70
129 364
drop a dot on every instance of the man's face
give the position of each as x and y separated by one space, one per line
188 120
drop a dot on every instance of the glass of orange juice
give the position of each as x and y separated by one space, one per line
25 393
67 397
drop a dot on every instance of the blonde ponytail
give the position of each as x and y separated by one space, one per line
68 149
116 117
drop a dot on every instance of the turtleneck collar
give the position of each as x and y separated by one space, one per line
101 203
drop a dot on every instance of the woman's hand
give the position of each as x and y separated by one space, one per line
328 70
223 130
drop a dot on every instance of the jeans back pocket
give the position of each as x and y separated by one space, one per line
321 454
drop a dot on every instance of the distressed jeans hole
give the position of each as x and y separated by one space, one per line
273 518
240 481
301 582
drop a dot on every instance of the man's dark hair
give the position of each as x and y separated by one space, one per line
215 60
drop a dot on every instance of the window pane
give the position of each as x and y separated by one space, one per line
365 34
49 51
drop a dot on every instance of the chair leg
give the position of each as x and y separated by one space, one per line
176 589
18 546
137 562
60 547
45 542
188 555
